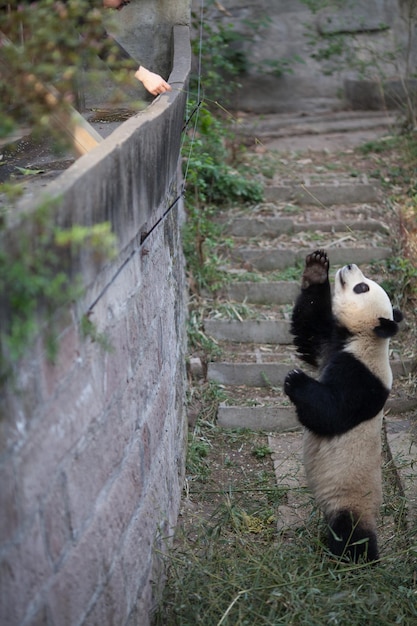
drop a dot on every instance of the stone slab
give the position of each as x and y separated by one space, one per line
329 143
327 195
342 256
276 125
266 374
259 227
269 259
275 226
367 225
403 367
251 374
249 331
265 259
280 292
287 456
355 18
267 418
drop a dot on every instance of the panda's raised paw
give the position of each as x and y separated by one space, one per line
316 271
294 380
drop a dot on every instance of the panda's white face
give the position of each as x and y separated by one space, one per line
359 302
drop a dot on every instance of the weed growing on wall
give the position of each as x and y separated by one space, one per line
36 280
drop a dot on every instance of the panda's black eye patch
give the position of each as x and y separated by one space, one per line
361 288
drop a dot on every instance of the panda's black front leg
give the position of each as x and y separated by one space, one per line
314 403
346 395
312 321
301 389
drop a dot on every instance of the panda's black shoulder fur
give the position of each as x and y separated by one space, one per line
346 395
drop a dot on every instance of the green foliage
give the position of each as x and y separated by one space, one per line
89 330
402 281
198 341
261 452
12 192
99 238
210 178
35 279
211 183
221 56
217 58
290 582
48 43
279 67
203 401
196 463
378 146
200 240
217 183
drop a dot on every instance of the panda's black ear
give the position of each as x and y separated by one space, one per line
398 316
387 328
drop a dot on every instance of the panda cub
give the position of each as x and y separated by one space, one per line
348 339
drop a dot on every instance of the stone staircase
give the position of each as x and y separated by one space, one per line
270 243
268 240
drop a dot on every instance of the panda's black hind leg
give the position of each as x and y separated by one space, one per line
351 540
316 271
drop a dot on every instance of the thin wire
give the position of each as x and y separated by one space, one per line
132 254
196 110
200 50
191 147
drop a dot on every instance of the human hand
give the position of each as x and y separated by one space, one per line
115 4
152 82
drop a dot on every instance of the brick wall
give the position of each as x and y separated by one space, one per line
92 448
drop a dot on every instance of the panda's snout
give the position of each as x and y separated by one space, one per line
339 278
344 274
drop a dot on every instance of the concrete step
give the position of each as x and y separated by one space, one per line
296 508
272 374
268 259
289 124
250 374
249 331
275 226
267 418
280 417
279 292
323 195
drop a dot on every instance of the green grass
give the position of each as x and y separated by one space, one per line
233 576
230 566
